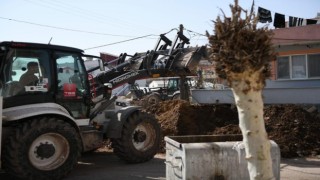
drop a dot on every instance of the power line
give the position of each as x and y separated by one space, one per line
195 33
62 28
90 32
104 16
70 9
199 34
120 42
53 7
171 31
277 38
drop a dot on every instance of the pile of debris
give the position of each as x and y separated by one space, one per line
294 129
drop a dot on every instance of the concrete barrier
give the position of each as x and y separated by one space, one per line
210 157
308 95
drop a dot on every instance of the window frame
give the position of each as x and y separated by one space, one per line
306 59
278 68
308 72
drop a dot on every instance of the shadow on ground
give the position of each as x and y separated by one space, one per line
105 165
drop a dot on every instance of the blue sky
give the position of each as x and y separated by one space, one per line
118 20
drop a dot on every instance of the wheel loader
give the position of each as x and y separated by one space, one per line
154 95
62 108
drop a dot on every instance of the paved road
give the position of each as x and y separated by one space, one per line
300 169
105 165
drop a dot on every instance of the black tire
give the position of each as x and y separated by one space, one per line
37 148
140 138
153 99
176 96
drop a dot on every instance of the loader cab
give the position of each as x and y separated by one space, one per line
38 73
173 86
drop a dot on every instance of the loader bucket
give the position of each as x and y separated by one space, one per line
189 58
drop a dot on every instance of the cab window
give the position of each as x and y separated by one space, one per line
25 71
70 70
71 85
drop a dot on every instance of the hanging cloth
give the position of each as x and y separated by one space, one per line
279 21
292 21
264 15
311 21
300 22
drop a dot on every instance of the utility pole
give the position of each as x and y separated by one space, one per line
184 87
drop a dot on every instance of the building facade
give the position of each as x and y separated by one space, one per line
298 59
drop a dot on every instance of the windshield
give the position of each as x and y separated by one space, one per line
24 71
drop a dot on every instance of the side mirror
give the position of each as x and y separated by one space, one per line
108 85
101 66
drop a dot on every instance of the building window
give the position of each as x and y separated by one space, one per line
314 65
298 66
283 67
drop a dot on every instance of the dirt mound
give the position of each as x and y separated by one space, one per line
295 130
291 127
178 117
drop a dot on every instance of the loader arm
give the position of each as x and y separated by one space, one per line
160 62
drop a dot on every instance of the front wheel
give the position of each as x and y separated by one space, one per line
176 96
42 148
140 138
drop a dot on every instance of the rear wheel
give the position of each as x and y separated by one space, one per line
140 138
44 148
153 99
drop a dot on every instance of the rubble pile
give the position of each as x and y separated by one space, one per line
295 130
